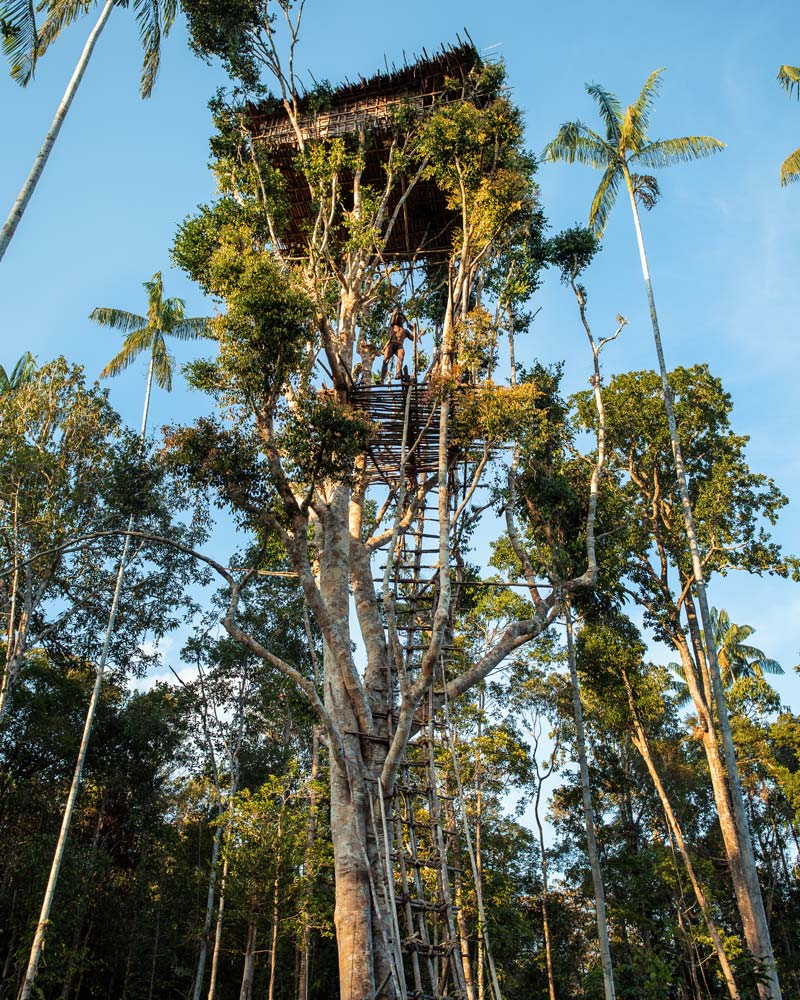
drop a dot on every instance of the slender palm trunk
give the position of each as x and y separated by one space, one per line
588 815
750 902
58 857
43 155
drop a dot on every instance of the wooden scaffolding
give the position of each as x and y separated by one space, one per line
427 850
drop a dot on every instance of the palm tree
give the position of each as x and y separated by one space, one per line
789 79
736 658
165 317
24 44
625 145
21 373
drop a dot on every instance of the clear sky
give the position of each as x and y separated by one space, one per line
724 242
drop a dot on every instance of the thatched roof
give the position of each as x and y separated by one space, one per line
425 224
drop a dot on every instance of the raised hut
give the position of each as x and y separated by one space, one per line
424 225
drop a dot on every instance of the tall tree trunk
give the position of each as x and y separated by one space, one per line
588 816
154 963
94 701
43 155
357 940
640 741
748 896
249 970
276 898
311 833
479 837
353 906
548 952
202 954
212 986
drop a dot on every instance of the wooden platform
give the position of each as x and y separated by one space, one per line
386 405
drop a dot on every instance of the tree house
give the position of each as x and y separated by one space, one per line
370 108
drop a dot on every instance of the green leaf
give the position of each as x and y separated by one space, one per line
192 327
155 18
60 15
20 38
643 105
610 110
604 199
665 152
135 344
575 142
117 319
162 364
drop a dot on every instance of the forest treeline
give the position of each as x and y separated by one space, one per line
221 770
451 571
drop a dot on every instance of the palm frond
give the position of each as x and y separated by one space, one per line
665 152
610 110
24 369
646 190
60 15
173 311
643 105
604 199
117 319
155 298
162 364
574 142
790 169
192 327
155 18
789 79
20 38
22 373
135 344
767 666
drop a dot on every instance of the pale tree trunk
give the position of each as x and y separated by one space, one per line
352 917
461 921
750 902
43 155
249 970
212 986
311 831
479 837
276 886
58 857
588 816
640 741
463 931
200 969
548 953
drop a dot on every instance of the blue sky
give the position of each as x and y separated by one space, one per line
724 243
